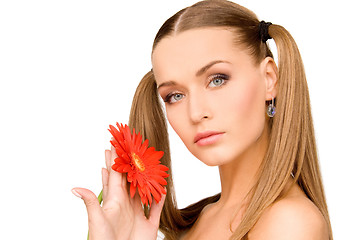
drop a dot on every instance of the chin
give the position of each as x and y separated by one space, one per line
214 158
221 154
211 163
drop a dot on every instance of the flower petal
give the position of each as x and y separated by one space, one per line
143 147
155 193
143 197
159 179
127 168
148 195
120 160
147 180
155 157
132 190
119 150
157 186
149 152
137 143
158 172
116 134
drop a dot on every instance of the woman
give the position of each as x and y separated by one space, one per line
235 109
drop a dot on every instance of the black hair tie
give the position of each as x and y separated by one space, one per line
264 31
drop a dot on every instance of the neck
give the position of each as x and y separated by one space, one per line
239 176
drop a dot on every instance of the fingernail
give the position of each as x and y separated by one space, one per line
76 193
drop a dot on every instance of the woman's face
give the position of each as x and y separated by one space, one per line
214 94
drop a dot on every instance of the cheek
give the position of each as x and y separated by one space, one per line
177 120
246 109
251 101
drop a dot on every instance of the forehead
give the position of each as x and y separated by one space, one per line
188 51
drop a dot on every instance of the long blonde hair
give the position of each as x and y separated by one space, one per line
292 147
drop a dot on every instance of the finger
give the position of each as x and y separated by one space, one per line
117 189
119 178
136 204
105 175
155 211
108 159
113 155
111 160
105 182
92 205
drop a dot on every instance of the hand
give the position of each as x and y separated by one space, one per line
121 217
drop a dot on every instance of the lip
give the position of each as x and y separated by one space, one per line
207 138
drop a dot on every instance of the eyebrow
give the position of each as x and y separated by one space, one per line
198 73
209 65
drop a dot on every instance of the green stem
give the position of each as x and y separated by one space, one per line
100 199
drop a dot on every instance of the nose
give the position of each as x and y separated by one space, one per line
198 108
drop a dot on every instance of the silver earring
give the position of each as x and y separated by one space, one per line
271 109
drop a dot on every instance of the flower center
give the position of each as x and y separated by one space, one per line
137 161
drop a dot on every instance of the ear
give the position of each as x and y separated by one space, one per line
270 73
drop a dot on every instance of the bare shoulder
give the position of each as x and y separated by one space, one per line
293 217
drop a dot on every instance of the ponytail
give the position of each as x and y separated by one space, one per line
147 116
292 149
306 169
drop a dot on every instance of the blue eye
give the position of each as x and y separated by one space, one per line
177 96
218 80
172 98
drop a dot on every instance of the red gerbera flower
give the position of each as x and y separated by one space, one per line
142 164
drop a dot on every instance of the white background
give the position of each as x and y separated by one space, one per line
69 68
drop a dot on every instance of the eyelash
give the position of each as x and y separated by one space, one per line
221 76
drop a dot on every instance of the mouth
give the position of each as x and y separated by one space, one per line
207 138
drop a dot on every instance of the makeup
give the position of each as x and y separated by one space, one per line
207 138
